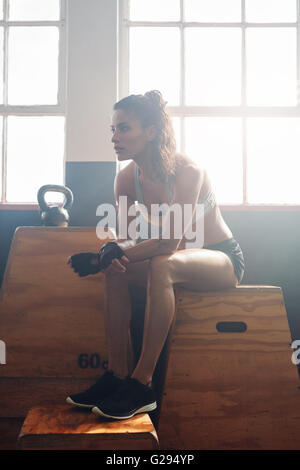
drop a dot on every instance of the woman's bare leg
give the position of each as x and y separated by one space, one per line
159 314
193 269
117 325
118 315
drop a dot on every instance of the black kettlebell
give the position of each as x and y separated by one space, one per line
55 216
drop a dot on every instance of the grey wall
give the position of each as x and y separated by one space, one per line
270 241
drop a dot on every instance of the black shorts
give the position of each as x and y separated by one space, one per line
234 251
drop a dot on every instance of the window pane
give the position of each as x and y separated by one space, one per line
213 66
22 10
271 11
273 160
1 9
155 67
33 65
212 10
216 144
1 65
156 10
271 66
35 155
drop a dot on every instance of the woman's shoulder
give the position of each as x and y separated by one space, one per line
185 165
189 172
126 172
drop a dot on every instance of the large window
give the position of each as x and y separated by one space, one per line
32 97
230 72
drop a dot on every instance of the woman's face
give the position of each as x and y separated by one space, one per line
130 139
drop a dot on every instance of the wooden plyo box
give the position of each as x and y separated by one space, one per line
64 428
224 389
230 382
51 320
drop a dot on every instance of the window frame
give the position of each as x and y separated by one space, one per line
58 109
243 111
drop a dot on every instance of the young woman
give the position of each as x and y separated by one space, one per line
142 132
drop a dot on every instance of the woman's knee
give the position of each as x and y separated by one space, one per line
162 268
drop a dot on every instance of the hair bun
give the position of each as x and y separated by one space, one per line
156 98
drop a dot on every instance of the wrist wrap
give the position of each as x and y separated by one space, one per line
108 252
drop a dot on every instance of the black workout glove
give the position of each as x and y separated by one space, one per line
85 263
92 263
108 252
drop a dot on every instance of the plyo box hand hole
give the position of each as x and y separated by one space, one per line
231 327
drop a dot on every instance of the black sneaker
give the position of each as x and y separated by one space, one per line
104 386
130 398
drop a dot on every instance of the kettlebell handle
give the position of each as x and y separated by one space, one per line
68 195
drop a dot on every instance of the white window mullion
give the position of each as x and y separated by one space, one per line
4 128
244 64
123 49
62 58
38 110
298 53
5 53
30 23
189 24
182 81
236 111
62 68
123 53
244 103
4 156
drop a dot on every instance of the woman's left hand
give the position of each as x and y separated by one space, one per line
84 263
117 265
